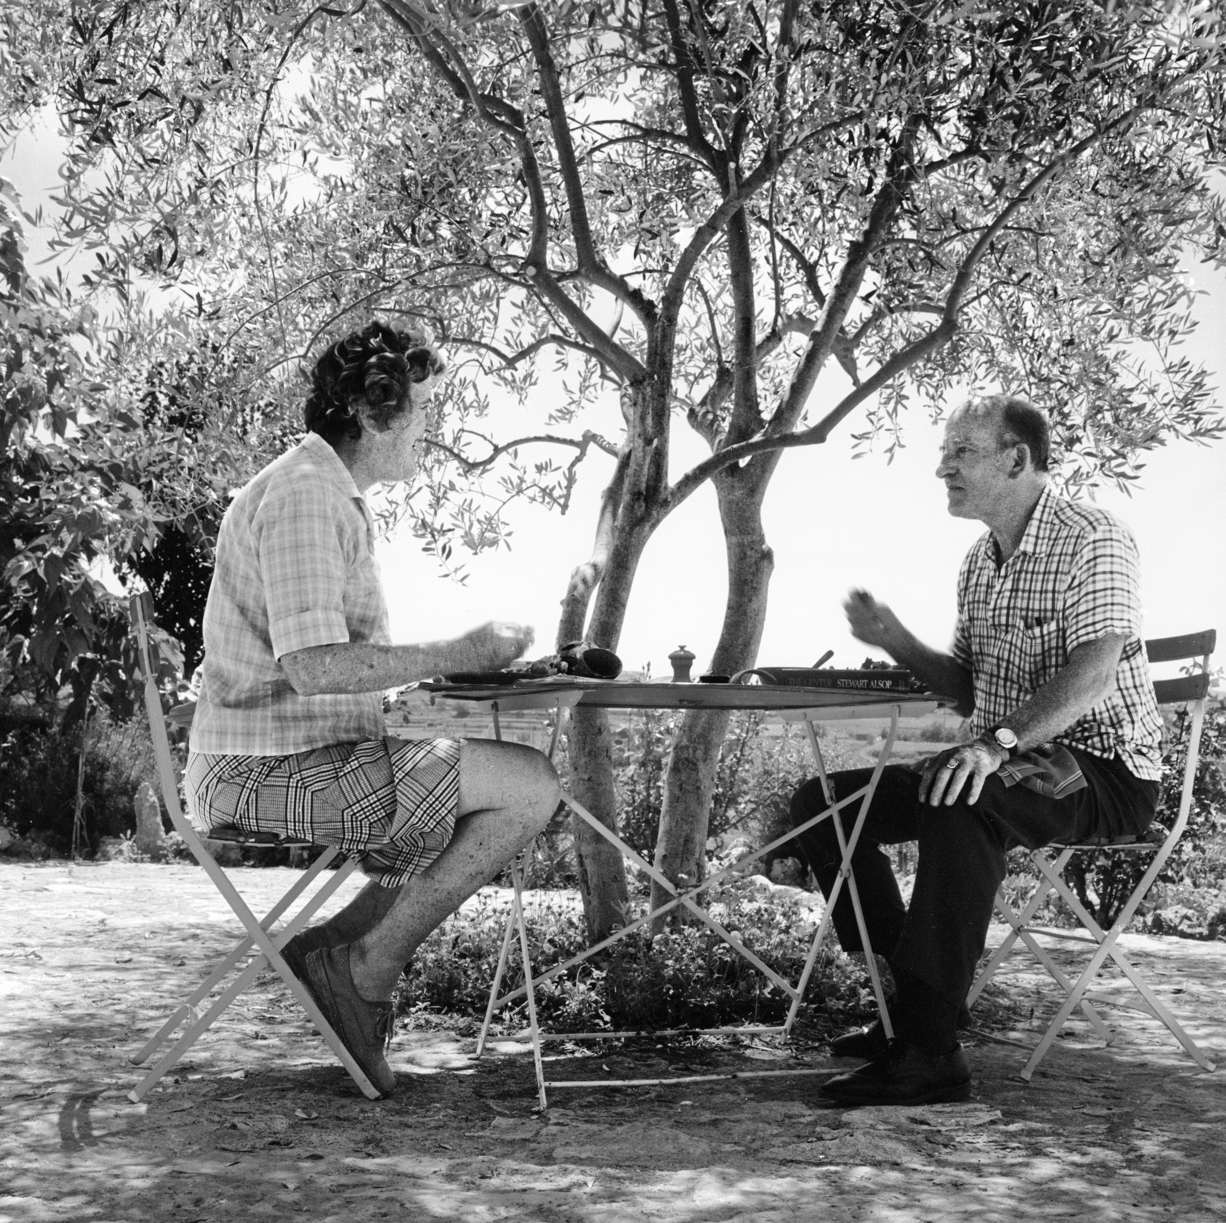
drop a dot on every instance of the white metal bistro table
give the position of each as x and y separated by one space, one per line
807 706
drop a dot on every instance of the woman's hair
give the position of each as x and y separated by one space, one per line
372 367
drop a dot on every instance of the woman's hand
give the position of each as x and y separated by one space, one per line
494 645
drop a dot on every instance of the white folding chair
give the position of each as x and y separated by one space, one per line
1189 690
259 937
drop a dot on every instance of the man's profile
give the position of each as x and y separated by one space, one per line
1049 665
289 736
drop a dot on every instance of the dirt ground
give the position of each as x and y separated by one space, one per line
259 1121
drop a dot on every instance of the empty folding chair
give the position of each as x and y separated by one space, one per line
259 938
1158 843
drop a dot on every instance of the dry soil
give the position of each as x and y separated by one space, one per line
258 1121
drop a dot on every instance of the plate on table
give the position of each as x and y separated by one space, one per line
484 679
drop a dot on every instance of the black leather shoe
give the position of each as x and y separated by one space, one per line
864 1043
867 1043
904 1074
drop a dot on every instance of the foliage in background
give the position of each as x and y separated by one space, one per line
760 766
1103 882
687 977
78 482
707 209
38 781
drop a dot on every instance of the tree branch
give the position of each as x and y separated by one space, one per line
685 87
516 358
469 466
822 341
511 122
914 352
586 577
737 197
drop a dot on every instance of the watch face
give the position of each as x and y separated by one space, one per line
1006 738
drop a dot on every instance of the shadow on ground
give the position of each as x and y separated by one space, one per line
259 1122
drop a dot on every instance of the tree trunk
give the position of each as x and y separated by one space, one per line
602 871
621 537
688 786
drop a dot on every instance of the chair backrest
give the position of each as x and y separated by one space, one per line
1186 689
140 612
1176 649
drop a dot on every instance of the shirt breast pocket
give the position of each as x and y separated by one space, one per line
1042 651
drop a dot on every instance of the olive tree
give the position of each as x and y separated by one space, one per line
704 209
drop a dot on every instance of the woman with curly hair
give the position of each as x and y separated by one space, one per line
288 735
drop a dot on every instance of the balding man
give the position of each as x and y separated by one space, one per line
1049 665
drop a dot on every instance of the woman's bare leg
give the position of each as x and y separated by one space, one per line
507 794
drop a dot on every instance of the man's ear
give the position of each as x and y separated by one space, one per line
1021 462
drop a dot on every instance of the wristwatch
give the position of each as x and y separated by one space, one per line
1004 739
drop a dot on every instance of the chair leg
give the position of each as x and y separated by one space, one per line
1076 996
1019 931
533 1026
263 941
492 1005
243 947
1017 922
1107 947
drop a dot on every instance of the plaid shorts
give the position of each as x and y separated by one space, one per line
391 802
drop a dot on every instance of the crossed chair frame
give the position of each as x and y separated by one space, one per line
259 947
1051 862
516 924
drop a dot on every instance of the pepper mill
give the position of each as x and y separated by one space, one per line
681 659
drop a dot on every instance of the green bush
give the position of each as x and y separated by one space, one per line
689 977
39 774
1192 878
758 772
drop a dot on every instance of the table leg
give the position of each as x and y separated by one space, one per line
847 847
533 1027
491 1006
516 921
709 882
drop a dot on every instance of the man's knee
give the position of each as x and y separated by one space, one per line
808 800
960 831
495 774
820 843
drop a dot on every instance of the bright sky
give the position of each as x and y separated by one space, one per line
833 522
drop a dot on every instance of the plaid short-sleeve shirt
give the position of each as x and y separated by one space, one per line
1073 579
295 568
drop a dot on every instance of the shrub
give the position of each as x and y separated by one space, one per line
688 977
39 773
758 771
1192 875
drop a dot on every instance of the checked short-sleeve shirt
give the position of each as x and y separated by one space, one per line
295 568
1073 579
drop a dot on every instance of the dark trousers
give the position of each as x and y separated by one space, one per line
934 946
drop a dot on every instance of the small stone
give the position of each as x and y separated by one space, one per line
148 811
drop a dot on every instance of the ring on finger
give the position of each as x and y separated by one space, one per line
951 764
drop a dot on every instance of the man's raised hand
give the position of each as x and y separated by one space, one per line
872 622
